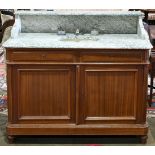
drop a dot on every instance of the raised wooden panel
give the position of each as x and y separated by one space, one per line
108 94
46 93
76 91
112 56
53 56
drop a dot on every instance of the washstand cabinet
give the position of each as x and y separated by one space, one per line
77 73
76 91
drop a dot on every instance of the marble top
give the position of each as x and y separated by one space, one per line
117 29
105 41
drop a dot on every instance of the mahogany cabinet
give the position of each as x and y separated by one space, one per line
76 92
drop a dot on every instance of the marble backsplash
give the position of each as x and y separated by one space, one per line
85 23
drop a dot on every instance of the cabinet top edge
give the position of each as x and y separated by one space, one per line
76 49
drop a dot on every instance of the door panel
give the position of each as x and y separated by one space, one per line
45 93
108 94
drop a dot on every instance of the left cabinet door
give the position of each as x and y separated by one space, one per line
42 93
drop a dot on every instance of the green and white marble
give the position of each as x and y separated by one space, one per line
117 29
49 40
48 21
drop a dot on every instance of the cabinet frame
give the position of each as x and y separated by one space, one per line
77 59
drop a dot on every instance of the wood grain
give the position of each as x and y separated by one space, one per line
77 91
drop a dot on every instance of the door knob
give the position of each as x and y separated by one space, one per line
43 55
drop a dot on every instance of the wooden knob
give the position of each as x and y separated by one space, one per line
43 55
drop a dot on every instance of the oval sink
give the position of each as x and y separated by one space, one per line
78 38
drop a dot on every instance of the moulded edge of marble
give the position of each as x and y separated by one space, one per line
81 12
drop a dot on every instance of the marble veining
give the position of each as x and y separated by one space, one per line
104 24
38 29
107 22
47 40
80 12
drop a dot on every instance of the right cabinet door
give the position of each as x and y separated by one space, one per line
112 94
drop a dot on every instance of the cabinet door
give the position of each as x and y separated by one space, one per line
43 93
112 94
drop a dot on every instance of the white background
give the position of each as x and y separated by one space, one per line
77 4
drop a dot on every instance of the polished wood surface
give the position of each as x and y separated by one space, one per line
46 93
112 56
89 92
105 94
42 56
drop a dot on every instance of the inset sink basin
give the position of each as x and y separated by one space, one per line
78 38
